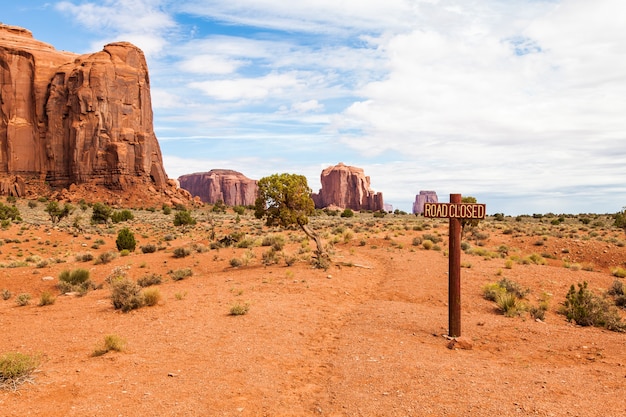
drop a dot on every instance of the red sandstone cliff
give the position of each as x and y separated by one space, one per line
231 187
347 187
70 119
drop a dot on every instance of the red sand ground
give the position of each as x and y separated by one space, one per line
363 338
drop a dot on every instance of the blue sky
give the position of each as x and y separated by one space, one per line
519 103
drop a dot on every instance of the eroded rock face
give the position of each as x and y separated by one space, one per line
347 187
73 119
424 197
231 187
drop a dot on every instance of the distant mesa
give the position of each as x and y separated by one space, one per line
424 197
79 121
231 187
347 187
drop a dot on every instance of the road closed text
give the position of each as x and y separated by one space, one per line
455 211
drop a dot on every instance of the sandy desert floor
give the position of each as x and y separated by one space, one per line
363 338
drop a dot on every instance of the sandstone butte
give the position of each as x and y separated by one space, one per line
347 187
77 125
231 187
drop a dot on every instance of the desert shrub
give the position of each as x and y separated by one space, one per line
270 257
246 243
240 210
6 294
151 296
16 368
513 287
122 216
76 280
181 252
9 213
57 213
618 293
184 218
126 295
101 213
277 242
167 210
417 241
32 204
235 262
104 258
149 248
23 299
347 213
509 304
112 342
585 308
84 257
619 272
239 309
125 240
150 279
428 244
432 238
46 299
180 274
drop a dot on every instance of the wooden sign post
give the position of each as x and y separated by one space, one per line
455 211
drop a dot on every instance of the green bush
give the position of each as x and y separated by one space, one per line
101 213
57 213
584 308
75 281
183 218
347 213
9 213
122 216
125 240
239 309
16 368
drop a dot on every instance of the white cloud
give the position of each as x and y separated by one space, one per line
248 88
142 22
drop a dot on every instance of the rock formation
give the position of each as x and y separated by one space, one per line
347 187
68 119
231 187
424 197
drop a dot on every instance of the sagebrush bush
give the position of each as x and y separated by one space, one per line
126 295
239 309
112 342
180 274
104 258
16 368
150 279
125 240
151 296
46 299
585 308
181 252
149 248
23 299
76 280
122 216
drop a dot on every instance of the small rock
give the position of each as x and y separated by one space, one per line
47 278
461 343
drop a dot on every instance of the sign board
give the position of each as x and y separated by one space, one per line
454 210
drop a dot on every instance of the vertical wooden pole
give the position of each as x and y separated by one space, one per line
454 273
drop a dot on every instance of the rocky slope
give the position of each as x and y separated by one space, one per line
68 119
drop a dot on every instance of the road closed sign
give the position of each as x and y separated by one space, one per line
454 210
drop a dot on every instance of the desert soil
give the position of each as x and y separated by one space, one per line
363 338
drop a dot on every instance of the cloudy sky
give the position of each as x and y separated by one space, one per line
519 103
